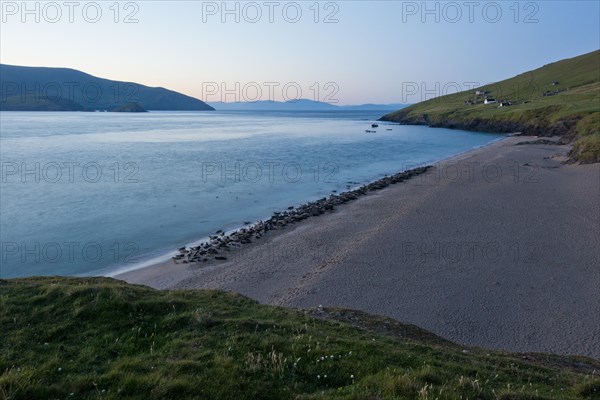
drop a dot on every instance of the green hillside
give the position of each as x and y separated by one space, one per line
97 338
562 98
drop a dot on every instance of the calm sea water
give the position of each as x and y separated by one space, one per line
97 193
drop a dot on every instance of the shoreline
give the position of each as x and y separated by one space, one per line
233 234
524 278
166 272
222 242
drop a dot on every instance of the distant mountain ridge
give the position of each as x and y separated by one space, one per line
299 105
64 89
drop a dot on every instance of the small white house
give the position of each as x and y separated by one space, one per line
489 101
480 92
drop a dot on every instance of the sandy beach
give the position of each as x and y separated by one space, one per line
497 247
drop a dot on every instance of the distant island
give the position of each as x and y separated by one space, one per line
558 99
129 107
300 105
64 89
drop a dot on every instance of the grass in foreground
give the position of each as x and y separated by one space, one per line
562 98
70 338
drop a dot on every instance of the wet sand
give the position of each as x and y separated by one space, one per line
497 248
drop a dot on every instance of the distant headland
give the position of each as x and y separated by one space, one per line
64 89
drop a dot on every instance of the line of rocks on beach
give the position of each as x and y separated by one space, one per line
220 244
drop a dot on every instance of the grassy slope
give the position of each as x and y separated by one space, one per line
100 338
573 113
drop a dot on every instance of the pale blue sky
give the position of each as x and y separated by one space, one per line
372 53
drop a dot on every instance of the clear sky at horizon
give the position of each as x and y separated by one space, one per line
367 51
